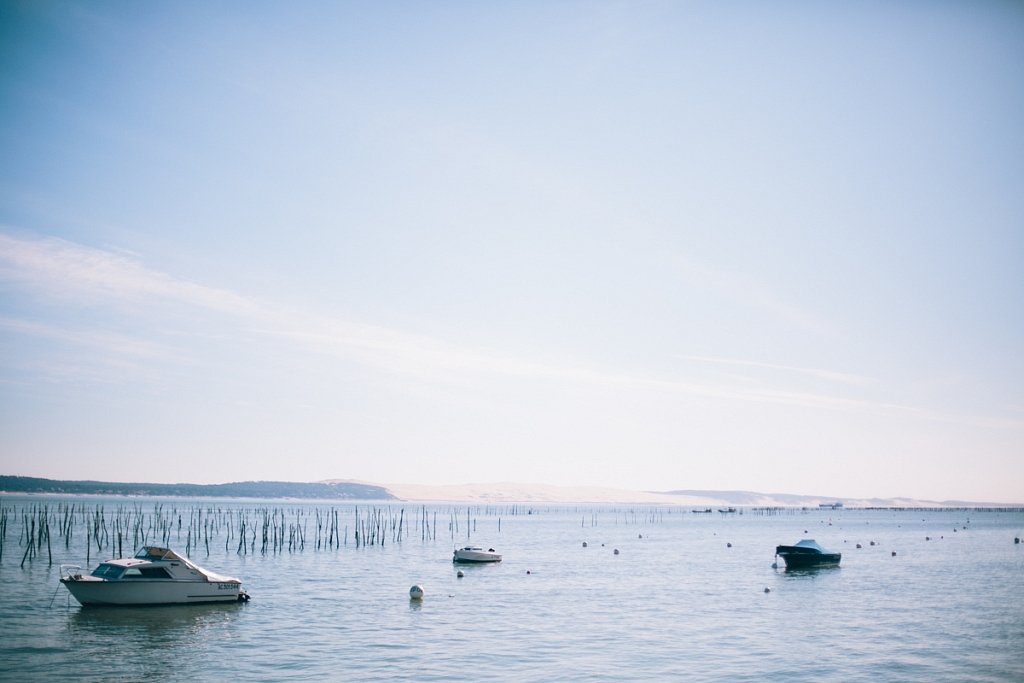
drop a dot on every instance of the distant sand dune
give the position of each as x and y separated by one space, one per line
509 492
512 492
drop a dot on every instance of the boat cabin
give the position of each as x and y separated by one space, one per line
113 572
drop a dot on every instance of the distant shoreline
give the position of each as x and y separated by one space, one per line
480 494
983 507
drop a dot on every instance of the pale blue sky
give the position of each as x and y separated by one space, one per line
652 245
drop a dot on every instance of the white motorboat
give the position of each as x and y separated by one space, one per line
155 576
474 554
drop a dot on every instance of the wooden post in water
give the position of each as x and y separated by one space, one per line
49 553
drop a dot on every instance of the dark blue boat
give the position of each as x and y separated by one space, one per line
807 554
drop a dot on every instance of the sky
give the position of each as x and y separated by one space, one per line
651 245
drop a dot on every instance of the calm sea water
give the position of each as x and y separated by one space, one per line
676 603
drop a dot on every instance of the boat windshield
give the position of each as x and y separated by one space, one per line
153 552
108 571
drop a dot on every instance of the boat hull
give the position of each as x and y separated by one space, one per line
141 592
796 557
475 557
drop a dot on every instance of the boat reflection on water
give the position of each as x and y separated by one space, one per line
157 627
808 572
169 634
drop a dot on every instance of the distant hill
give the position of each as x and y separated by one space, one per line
242 489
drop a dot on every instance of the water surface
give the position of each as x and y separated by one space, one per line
685 599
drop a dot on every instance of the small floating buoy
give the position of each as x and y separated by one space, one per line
584 544
894 553
767 589
872 542
728 545
639 535
616 551
775 565
527 571
460 574
927 538
1016 539
416 592
858 545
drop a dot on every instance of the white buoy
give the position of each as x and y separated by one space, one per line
416 592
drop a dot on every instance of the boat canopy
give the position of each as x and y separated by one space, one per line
811 543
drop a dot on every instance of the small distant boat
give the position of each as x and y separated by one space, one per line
726 510
831 506
155 576
474 554
701 512
807 554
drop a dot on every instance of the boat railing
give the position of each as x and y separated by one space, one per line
70 571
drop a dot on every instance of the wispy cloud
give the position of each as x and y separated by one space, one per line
829 375
135 347
77 355
58 268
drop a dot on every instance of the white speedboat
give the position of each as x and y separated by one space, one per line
155 576
474 554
